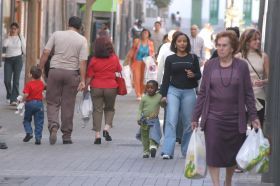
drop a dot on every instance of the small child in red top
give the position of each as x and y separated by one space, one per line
33 95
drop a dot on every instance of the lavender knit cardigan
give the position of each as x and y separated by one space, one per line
246 99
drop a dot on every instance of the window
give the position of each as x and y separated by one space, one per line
247 11
214 11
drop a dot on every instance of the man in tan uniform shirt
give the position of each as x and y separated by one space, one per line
66 77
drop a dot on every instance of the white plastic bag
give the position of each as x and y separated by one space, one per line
253 151
85 108
126 73
195 166
151 68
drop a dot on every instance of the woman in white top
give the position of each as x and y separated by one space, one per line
15 48
258 62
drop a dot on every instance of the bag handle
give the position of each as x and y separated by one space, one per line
253 68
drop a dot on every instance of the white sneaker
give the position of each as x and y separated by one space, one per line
166 157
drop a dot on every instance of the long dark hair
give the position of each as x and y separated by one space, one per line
103 47
173 43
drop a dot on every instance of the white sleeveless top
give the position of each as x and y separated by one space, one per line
257 62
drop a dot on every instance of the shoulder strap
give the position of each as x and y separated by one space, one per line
253 68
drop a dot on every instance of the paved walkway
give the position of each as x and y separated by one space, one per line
113 163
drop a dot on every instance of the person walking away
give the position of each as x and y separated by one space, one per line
225 93
15 49
148 119
66 77
157 36
135 32
258 62
181 73
141 48
34 107
101 76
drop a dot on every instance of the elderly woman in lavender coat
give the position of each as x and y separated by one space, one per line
226 92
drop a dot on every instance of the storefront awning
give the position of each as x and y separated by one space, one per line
103 6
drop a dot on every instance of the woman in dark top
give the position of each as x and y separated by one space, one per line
225 92
181 73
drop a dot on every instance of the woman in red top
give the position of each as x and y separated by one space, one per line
102 79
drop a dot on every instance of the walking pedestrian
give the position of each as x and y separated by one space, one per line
258 62
66 77
226 91
148 119
181 73
142 47
197 44
15 48
157 35
101 76
33 95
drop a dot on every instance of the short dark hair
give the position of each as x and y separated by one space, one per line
144 30
234 43
75 22
103 47
15 25
154 82
235 29
35 72
174 39
157 22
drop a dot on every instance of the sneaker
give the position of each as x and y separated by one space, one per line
27 138
53 136
3 146
153 151
145 155
37 142
13 103
166 157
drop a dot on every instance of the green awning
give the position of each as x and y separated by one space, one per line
103 6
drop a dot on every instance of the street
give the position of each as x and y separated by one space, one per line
113 163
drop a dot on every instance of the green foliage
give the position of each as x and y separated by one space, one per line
161 3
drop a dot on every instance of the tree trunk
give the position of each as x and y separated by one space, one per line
64 14
87 20
32 36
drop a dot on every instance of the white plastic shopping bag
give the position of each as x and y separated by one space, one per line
85 108
195 166
126 73
253 155
151 68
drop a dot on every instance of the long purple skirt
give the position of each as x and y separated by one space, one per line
223 142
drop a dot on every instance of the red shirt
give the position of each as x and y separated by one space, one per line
103 72
34 89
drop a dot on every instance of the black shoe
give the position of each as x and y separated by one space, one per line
106 135
146 156
27 138
153 152
67 142
97 141
178 140
37 142
3 146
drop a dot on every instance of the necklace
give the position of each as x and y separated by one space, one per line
222 81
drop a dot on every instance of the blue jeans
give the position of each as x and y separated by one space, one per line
177 99
12 70
34 108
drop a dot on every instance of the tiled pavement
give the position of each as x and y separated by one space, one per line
112 163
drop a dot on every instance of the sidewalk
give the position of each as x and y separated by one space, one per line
113 163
